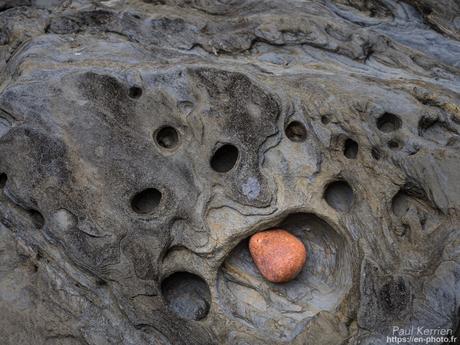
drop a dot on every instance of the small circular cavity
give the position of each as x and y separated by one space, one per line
296 131
135 92
187 295
389 123
350 149
225 158
339 195
167 137
147 201
325 119
394 144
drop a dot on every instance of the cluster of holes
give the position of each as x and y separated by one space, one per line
296 131
388 123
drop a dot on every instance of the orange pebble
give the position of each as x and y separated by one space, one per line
278 254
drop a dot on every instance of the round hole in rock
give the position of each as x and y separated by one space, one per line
388 123
296 131
325 119
322 284
167 137
339 195
3 179
146 201
350 149
224 159
187 295
135 92
375 152
394 145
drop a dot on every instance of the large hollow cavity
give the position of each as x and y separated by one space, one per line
350 149
146 201
339 195
296 131
224 159
388 123
167 137
282 311
187 295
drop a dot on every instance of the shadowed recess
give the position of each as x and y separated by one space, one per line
3 179
135 92
146 201
167 137
388 123
350 149
376 154
394 144
37 218
224 158
296 131
187 295
339 196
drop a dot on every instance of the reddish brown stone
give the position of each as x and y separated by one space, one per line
278 255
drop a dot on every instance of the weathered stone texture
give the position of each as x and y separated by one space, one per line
143 142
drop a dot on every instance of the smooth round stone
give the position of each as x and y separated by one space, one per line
278 254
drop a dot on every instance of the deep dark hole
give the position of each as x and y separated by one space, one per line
394 144
375 152
296 131
224 158
187 295
146 201
339 195
135 92
350 149
3 179
37 218
388 123
167 137
325 119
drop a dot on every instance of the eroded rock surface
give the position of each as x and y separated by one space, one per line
143 142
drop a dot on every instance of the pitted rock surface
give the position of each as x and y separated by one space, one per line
142 143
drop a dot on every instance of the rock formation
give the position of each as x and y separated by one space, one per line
142 143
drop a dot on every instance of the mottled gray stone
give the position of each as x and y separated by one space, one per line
143 142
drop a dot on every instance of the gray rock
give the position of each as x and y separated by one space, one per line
143 142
